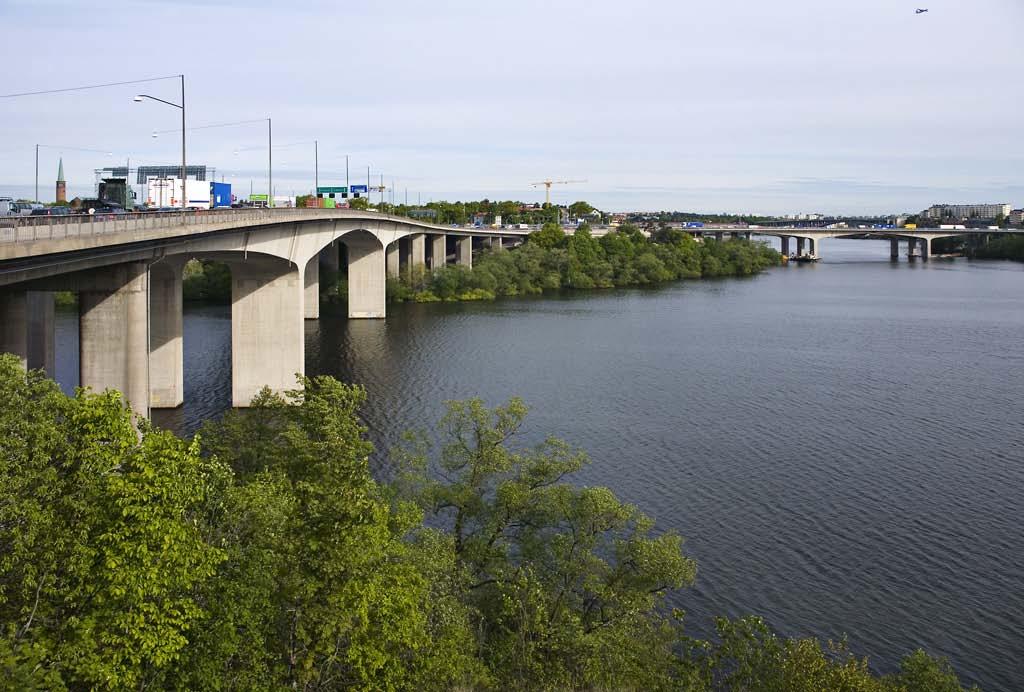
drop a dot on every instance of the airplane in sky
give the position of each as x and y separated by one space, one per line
920 11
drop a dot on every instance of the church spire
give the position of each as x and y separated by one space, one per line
62 187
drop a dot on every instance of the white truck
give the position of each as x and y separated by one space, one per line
166 192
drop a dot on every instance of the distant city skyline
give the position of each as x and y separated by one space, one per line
796 107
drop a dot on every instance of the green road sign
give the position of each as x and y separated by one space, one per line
331 190
258 198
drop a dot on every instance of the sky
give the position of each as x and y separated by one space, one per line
773 107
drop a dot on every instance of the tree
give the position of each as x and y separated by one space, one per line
326 590
100 553
549 236
565 583
359 203
580 209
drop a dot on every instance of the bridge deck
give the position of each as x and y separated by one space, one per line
29 236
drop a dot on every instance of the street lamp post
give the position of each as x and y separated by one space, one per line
181 106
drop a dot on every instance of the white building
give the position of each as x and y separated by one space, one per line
960 212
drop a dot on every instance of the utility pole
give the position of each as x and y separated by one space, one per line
37 173
347 188
270 165
316 170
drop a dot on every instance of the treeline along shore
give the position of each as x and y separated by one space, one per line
263 555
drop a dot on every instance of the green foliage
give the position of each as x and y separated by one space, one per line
359 203
1010 247
548 237
552 260
206 281
329 592
565 584
580 209
263 556
749 656
99 548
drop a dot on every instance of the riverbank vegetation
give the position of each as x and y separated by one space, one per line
262 555
1009 247
551 260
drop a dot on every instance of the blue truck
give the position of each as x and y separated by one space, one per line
220 195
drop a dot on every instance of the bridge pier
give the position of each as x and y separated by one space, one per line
366 276
464 251
166 360
40 331
784 241
311 289
267 334
800 247
911 248
497 243
113 334
926 248
26 318
814 246
438 251
719 236
415 254
392 260
14 323
894 249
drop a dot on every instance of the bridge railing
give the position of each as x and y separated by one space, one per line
15 229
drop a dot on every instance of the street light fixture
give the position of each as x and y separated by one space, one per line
139 98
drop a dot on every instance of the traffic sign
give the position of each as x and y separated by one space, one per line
331 190
257 198
359 188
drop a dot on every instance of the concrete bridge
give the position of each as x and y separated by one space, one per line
127 272
808 240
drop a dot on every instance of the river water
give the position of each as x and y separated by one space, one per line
841 443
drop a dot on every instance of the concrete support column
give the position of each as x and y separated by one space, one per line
719 236
267 334
113 336
39 307
418 250
366 276
438 251
813 243
894 249
785 245
392 260
497 243
166 360
799 247
14 324
926 248
311 289
911 248
464 251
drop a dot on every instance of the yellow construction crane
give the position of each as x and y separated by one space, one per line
548 183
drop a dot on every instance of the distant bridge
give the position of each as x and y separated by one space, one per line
127 271
919 240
